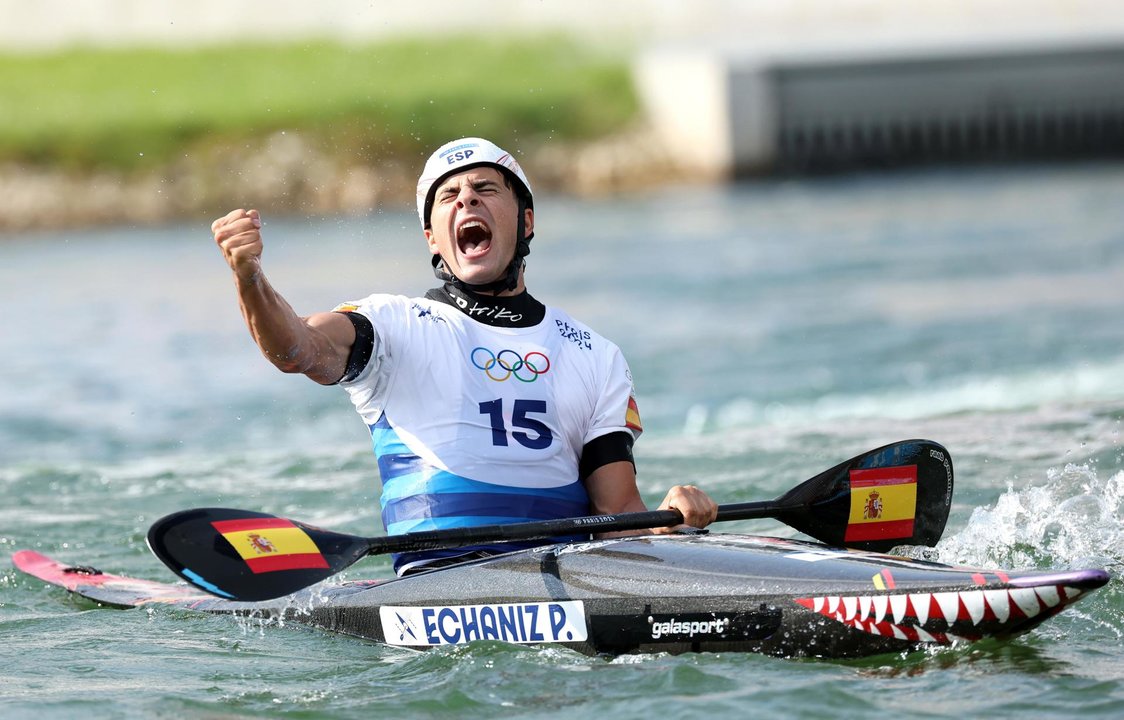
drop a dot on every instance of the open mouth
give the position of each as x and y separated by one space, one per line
474 238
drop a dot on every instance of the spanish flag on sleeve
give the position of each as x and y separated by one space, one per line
632 416
270 544
883 503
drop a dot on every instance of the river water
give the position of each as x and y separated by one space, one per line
773 328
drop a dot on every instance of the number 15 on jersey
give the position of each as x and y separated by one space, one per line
528 431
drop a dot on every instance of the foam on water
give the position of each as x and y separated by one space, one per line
1074 519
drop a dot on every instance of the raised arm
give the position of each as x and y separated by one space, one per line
318 345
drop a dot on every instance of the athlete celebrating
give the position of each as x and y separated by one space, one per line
485 406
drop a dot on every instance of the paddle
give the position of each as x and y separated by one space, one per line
895 495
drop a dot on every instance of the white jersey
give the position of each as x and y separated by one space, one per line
475 424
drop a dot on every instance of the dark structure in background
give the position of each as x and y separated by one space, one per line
886 108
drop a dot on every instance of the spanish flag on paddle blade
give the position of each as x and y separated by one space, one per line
883 504
271 544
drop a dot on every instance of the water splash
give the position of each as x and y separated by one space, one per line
1075 519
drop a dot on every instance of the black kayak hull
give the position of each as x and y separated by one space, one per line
666 594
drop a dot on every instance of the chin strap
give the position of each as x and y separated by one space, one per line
510 279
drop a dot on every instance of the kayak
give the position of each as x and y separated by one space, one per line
715 592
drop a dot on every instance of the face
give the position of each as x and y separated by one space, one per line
473 224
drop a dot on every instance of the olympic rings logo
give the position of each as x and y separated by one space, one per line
507 363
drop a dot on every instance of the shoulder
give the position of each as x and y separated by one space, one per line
373 303
384 310
396 318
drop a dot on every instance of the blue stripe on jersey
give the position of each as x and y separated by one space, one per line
418 496
470 508
386 440
423 479
445 523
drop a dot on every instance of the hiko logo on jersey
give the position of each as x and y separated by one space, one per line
506 364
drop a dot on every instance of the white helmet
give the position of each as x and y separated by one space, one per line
458 156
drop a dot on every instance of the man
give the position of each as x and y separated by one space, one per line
484 405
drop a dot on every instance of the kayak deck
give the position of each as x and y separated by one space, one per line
708 593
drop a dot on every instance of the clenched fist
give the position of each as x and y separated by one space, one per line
238 235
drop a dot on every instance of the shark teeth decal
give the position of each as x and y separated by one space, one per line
929 617
999 604
881 602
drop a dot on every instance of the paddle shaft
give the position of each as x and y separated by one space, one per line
440 539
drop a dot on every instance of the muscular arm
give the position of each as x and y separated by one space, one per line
612 489
317 345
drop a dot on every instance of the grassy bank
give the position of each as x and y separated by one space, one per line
127 110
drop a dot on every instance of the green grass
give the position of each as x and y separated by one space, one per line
84 109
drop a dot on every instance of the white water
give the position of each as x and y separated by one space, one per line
774 331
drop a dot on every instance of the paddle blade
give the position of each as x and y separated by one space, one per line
899 494
244 555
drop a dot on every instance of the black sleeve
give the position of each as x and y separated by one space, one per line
362 348
606 449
